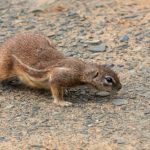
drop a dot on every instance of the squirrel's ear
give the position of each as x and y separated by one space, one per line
90 74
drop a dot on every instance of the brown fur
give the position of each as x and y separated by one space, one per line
35 60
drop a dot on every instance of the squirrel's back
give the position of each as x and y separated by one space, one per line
33 49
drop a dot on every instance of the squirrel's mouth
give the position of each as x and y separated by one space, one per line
114 92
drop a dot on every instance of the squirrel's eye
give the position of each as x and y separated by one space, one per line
109 79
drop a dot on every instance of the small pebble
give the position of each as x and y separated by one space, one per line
36 10
146 111
9 106
109 65
37 146
124 46
71 53
2 138
124 38
130 16
30 27
92 42
148 69
119 102
1 21
102 93
98 48
99 5
120 140
72 13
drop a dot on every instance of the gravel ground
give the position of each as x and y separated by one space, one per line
112 32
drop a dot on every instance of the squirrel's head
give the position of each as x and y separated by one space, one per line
102 78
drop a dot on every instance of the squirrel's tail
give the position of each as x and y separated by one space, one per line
30 70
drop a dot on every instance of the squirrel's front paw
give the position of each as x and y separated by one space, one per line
63 103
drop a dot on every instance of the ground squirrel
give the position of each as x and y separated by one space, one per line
34 59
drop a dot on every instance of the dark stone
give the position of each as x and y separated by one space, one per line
37 146
109 65
72 13
120 65
146 111
147 42
1 21
124 38
30 27
121 47
130 17
60 33
2 138
71 53
63 28
37 11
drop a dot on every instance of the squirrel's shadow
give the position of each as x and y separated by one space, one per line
81 95
78 95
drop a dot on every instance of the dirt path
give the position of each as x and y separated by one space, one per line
112 32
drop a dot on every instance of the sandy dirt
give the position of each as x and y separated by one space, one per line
112 32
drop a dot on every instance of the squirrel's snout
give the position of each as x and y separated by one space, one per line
119 87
